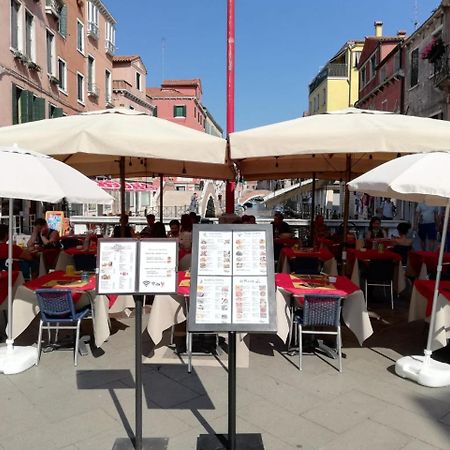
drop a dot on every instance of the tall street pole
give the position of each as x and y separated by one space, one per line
230 186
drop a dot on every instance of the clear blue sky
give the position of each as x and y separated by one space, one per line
280 45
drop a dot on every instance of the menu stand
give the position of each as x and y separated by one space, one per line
231 441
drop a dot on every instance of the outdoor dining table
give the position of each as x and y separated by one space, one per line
48 258
25 306
66 257
420 263
355 257
375 243
421 304
17 280
354 311
323 254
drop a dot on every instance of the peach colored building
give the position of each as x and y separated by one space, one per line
129 84
180 101
55 58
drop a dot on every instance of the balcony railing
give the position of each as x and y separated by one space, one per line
110 48
54 7
332 70
93 90
442 70
93 30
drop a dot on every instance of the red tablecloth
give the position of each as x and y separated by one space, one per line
426 289
80 251
182 252
50 256
288 242
342 286
370 255
77 290
323 254
4 284
184 286
417 258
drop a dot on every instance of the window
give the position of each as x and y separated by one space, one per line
110 38
26 106
414 68
373 65
155 111
324 99
62 22
50 53
93 20
179 111
108 90
54 112
138 81
80 88
356 56
91 73
62 75
80 36
363 76
15 25
29 35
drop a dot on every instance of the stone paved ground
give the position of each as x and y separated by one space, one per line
55 406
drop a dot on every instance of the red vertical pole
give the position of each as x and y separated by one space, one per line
229 193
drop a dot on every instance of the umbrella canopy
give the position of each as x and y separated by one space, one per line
320 143
29 175
93 143
422 177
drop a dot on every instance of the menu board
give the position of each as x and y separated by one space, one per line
232 279
116 267
157 266
128 266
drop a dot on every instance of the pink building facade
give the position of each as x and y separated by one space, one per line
55 58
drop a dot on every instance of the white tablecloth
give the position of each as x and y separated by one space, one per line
19 281
441 329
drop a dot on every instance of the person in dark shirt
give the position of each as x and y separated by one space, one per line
281 229
147 231
158 230
129 231
43 236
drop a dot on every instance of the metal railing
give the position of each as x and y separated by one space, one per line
93 30
110 47
442 69
93 90
54 7
332 70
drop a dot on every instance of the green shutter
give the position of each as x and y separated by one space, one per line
58 112
15 112
63 21
38 108
174 111
26 107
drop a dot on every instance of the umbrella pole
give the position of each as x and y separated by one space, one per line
348 175
428 350
161 198
122 193
10 340
313 207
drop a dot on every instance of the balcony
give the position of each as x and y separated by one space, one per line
331 70
441 74
93 90
110 48
53 7
93 30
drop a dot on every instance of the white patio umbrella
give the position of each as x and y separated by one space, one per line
32 176
419 178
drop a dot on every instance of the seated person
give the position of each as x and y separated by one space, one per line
174 228
281 229
320 230
147 230
24 257
129 231
186 232
158 230
403 239
195 218
375 231
43 236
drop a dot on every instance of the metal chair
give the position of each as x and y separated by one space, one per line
379 273
307 265
85 261
320 311
56 306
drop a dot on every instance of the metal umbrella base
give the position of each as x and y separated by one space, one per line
250 441
147 444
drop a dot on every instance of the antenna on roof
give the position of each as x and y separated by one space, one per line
163 59
416 14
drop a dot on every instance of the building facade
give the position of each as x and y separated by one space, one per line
336 85
381 72
55 58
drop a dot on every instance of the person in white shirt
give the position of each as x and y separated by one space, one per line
388 209
425 222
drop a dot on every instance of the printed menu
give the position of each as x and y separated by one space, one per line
117 263
249 253
213 300
214 252
250 300
157 266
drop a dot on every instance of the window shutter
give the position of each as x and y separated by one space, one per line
58 112
26 107
63 21
15 117
38 108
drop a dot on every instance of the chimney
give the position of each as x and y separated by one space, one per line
401 34
378 28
